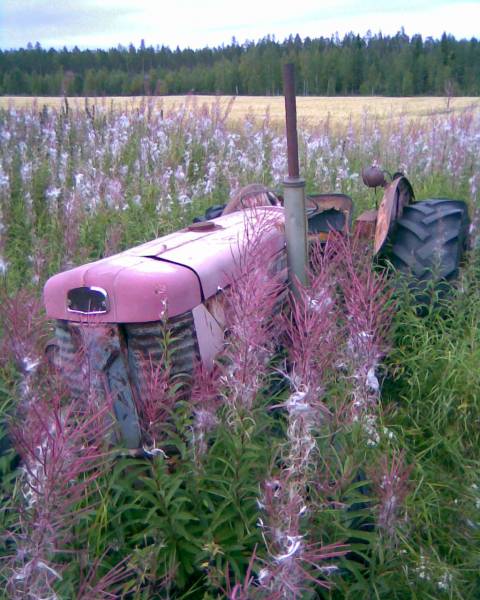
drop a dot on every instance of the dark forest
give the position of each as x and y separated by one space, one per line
372 65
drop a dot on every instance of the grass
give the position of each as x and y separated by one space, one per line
401 488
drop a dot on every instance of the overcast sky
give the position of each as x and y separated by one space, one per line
199 23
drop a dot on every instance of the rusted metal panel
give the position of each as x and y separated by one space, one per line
365 225
397 195
340 202
67 357
321 203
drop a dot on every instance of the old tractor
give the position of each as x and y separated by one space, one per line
116 308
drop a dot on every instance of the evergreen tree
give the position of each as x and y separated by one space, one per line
373 64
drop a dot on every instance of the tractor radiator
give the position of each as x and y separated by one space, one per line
144 344
147 343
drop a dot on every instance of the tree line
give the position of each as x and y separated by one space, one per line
396 65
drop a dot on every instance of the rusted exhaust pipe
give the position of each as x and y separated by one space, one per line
291 119
294 189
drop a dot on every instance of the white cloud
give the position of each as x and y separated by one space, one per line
89 23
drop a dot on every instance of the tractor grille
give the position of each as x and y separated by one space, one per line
69 357
146 345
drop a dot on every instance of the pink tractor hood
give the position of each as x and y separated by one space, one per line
165 277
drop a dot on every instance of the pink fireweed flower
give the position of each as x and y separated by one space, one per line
391 481
311 332
206 400
62 454
24 330
294 564
368 314
156 400
24 335
250 301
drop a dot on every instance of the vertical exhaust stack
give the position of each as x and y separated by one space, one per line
294 189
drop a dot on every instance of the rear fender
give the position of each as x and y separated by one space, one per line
397 195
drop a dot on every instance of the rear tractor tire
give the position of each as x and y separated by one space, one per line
428 244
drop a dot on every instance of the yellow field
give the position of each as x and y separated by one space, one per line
310 109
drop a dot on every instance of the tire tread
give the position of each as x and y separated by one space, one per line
430 238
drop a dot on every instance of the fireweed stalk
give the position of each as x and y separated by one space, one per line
474 183
251 299
206 400
62 454
246 309
241 590
24 328
106 587
390 479
155 402
368 313
294 563
311 334
158 390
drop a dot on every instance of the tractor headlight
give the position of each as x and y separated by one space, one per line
87 301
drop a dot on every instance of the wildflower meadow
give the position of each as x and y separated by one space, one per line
332 452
